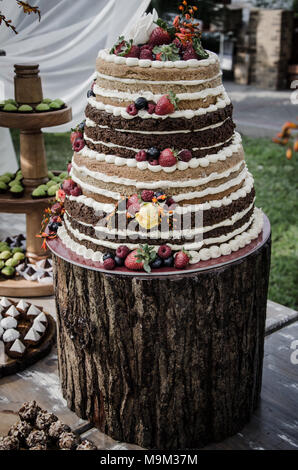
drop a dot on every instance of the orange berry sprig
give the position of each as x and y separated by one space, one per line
285 138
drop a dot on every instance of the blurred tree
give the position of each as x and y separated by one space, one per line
27 9
273 4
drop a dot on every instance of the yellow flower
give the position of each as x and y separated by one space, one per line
147 217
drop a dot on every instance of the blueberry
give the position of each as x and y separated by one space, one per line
157 263
153 153
141 103
119 261
81 126
168 262
159 193
108 255
90 93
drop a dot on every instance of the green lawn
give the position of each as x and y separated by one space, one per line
277 194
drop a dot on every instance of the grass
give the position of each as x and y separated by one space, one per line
277 194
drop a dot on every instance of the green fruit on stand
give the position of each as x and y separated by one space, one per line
18 256
51 183
3 187
25 108
50 175
59 101
52 190
10 107
2 264
17 249
55 105
11 262
42 107
8 271
5 179
47 100
5 255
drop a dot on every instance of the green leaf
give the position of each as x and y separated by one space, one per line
197 45
147 268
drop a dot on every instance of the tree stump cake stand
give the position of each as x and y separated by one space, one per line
164 360
28 90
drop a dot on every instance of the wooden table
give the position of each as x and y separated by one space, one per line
273 426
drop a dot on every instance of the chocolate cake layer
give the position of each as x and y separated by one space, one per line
82 213
203 138
90 232
168 124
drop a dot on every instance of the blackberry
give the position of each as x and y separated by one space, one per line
168 262
141 103
153 153
53 227
90 93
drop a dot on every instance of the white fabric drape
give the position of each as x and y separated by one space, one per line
65 44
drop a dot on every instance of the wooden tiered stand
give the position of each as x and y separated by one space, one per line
28 90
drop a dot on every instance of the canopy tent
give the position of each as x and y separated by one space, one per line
65 44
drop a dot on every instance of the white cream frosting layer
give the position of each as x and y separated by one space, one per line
131 97
221 103
179 64
217 203
188 183
166 234
227 243
222 155
134 81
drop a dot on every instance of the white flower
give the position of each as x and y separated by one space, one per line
141 30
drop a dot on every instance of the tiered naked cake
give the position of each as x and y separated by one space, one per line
162 163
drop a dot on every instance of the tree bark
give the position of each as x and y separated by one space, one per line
165 362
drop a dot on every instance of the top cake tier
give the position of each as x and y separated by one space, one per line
196 83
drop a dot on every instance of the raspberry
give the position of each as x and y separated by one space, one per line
190 53
147 195
132 110
134 52
109 263
76 191
141 156
151 108
78 145
122 251
146 54
164 251
153 162
185 155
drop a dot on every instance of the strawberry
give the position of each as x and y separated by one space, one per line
166 104
147 195
134 199
69 167
146 54
131 261
190 53
159 36
68 185
147 46
75 135
167 158
133 209
179 45
181 260
78 145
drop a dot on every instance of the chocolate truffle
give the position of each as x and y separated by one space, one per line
68 441
58 428
44 420
9 443
35 438
20 431
28 411
86 445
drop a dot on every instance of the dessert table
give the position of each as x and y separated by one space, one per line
273 425
141 355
